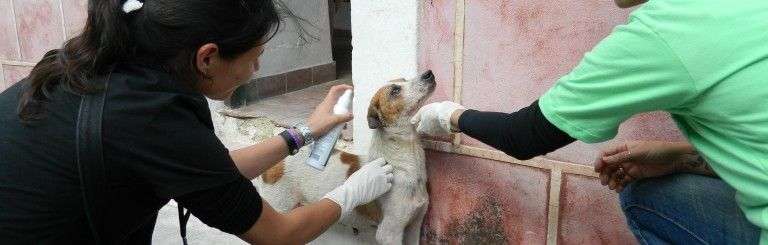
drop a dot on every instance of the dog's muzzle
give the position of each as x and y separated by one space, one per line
428 79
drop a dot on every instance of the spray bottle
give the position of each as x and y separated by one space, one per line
323 147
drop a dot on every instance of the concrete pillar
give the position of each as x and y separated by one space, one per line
384 41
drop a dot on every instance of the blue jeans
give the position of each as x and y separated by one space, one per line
686 209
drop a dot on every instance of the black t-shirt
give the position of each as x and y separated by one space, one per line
158 145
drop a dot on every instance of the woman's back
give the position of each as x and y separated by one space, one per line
39 182
158 144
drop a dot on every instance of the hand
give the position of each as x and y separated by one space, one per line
370 182
435 119
621 164
322 119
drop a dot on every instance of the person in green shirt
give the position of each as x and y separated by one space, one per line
705 62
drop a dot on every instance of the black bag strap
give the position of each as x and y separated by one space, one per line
90 163
183 218
90 158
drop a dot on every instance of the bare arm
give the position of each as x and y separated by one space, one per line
694 163
254 160
299 226
688 160
305 223
624 163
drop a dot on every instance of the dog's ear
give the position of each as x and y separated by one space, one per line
374 117
374 122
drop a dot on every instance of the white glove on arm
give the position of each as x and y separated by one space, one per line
370 182
435 119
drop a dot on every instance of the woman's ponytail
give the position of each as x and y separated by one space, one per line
104 40
167 33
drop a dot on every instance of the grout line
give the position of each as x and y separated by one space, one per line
579 169
312 75
16 29
285 82
538 162
456 140
553 209
458 57
63 22
16 63
458 51
2 77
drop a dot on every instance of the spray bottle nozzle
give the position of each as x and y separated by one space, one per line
343 105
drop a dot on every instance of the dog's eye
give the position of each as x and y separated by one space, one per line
395 90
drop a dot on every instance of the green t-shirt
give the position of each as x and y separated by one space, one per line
703 61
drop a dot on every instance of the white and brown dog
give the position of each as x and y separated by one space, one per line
398 214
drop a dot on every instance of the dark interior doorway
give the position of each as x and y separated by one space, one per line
341 34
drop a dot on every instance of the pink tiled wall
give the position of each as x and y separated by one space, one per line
513 52
590 214
478 201
14 73
29 28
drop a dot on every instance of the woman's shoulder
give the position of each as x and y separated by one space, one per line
148 78
143 94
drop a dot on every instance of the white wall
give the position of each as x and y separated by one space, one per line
286 52
384 41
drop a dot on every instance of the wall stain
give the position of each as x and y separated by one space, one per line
484 225
525 17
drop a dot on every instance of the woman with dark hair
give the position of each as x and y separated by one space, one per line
109 128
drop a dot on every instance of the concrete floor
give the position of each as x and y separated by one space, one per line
243 127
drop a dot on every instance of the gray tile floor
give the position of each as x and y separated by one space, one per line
293 108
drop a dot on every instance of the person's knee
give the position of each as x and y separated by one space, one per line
628 199
640 196
682 208
671 189
624 193
630 196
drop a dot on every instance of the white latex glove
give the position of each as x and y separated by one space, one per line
435 119
365 185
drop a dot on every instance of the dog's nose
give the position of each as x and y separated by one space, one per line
428 75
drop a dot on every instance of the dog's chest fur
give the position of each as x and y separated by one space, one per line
406 154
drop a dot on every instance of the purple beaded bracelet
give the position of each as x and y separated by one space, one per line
296 138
